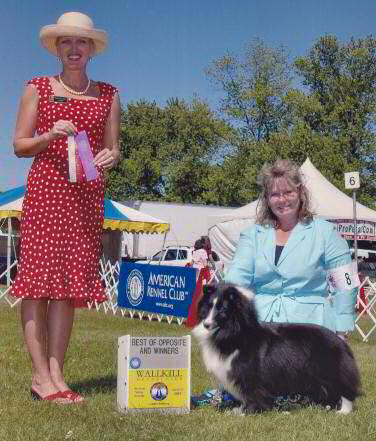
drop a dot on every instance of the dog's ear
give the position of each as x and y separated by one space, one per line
204 303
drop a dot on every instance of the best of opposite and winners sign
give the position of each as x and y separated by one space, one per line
154 374
158 289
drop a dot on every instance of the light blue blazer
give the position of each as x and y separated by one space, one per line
295 290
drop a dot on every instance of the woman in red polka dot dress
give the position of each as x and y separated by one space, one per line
62 221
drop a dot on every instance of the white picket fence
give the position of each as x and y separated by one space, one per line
365 322
4 291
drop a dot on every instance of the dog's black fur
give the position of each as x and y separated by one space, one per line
272 359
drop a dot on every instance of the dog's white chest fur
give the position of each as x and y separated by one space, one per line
220 367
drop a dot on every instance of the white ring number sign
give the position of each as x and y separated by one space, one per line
352 180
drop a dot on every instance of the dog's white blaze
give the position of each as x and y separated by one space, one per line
201 332
208 321
346 406
247 293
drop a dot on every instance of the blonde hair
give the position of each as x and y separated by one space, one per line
289 170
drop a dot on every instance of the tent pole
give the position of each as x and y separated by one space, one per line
163 244
135 245
9 249
355 231
164 240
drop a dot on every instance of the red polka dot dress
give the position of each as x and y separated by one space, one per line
61 223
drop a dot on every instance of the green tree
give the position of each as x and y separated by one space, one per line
339 108
138 176
184 153
254 88
330 119
233 181
194 143
167 152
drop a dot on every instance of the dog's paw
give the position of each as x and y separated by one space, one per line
346 407
238 411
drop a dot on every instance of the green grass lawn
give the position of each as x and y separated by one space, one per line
91 370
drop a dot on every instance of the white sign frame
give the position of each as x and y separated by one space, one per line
127 353
352 180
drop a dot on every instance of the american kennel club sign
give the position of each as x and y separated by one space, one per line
154 374
157 289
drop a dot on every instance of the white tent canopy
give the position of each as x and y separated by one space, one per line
327 202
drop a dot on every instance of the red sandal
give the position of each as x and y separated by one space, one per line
52 397
72 396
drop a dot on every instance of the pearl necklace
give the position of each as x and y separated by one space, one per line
72 91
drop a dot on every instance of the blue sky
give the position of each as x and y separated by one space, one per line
159 49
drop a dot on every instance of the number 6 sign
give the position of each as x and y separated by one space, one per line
352 180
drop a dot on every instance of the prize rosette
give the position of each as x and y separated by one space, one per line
76 172
80 159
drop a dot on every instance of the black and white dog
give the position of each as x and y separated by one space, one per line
257 361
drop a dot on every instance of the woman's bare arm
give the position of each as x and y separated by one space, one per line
110 155
25 143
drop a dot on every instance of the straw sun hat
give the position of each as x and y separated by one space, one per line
73 24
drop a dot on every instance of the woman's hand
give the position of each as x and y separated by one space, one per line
107 158
62 128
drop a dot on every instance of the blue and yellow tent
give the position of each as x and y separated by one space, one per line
116 216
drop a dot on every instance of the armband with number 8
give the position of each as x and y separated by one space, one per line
343 278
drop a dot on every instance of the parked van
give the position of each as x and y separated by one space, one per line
173 256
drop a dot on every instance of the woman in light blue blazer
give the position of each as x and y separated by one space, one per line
287 256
